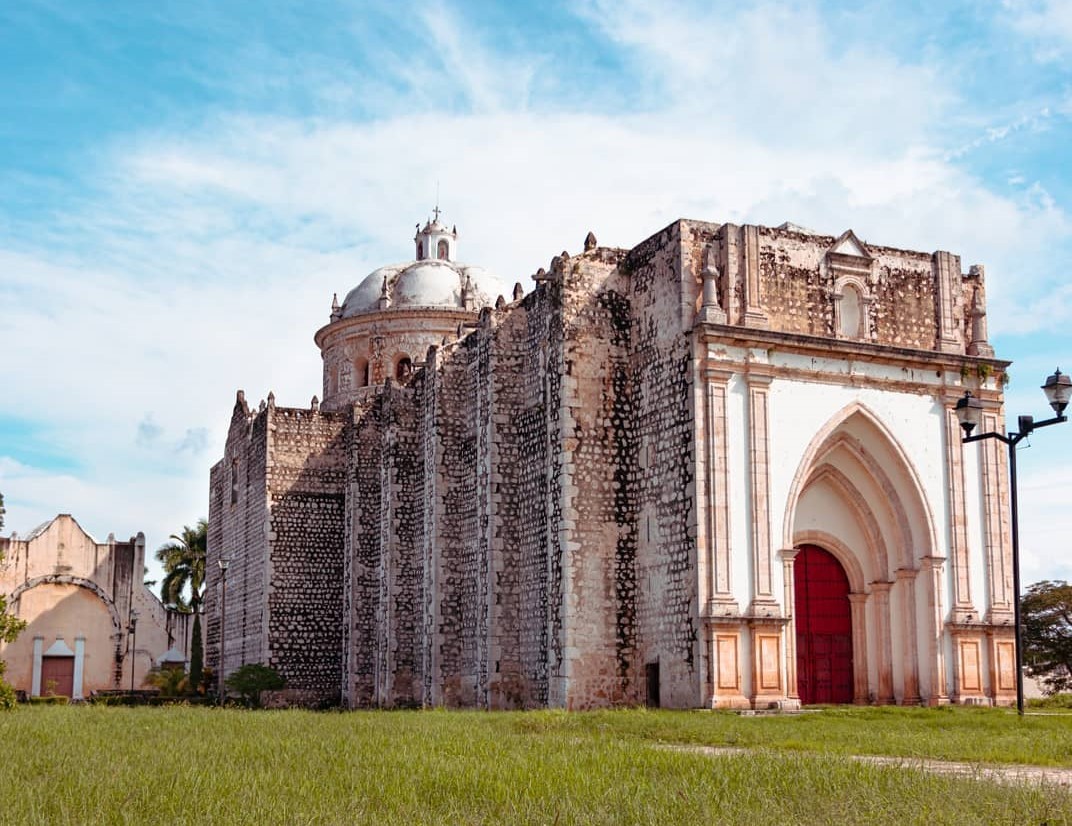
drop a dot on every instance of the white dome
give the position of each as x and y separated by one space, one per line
428 283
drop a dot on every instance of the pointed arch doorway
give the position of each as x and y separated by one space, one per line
823 628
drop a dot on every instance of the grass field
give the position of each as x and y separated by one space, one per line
203 765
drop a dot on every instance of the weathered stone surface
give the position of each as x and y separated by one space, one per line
539 514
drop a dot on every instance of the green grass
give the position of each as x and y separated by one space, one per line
208 766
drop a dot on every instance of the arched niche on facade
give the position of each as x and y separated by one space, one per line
857 496
403 368
65 614
856 478
361 372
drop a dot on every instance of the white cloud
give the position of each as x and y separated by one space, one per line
208 258
1047 22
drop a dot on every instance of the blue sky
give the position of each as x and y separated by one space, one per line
184 185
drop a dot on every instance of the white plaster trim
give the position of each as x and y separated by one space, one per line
35 680
59 649
819 447
79 667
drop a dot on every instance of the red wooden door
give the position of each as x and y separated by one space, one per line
824 628
57 676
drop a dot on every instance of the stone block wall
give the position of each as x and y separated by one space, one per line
664 282
385 573
238 530
791 280
461 503
276 511
596 450
517 524
361 564
521 492
306 486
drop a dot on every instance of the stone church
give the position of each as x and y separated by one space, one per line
720 469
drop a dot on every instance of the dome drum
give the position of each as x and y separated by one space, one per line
385 324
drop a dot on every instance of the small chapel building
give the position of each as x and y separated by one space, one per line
92 622
720 469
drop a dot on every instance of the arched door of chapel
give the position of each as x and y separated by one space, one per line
824 628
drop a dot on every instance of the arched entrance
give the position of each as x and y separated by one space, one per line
824 628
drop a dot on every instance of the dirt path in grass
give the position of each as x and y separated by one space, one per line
1001 772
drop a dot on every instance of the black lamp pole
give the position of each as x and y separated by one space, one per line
133 629
969 410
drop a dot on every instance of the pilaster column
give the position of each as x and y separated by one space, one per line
881 590
1002 664
998 531
725 651
906 577
788 557
766 639
38 653
759 472
933 567
958 519
946 268
858 607
79 667
754 316
722 602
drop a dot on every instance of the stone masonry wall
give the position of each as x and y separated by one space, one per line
663 280
798 274
462 564
521 485
238 517
596 450
362 561
385 568
306 474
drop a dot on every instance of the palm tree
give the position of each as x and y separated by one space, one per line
184 567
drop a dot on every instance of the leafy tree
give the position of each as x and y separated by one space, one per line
249 680
1046 613
184 567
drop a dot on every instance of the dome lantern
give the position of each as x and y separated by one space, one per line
435 241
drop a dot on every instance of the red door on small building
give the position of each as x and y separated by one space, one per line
57 676
824 628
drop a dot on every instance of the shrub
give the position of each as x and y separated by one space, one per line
8 698
171 681
1053 701
50 700
249 680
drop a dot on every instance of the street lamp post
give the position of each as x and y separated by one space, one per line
133 629
969 410
223 562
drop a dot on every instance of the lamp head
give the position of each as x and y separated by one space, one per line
1058 390
969 412
223 562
